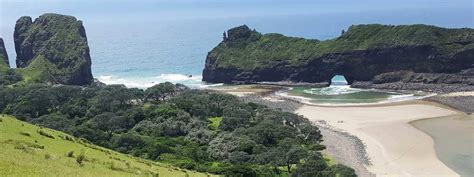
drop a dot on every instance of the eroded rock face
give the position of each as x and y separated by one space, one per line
410 59
56 47
3 55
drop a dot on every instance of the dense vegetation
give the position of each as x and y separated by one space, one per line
29 150
192 129
246 49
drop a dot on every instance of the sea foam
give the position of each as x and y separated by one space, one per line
145 82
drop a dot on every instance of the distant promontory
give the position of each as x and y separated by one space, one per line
374 54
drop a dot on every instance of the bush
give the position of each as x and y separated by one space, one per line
47 156
187 165
25 133
343 171
70 154
80 159
43 133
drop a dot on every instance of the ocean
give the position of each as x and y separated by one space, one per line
142 52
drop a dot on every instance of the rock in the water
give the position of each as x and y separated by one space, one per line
407 53
53 49
3 55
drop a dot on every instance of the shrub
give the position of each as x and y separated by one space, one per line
187 165
80 159
47 156
70 154
43 133
25 133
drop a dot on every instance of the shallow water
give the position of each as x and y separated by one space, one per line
454 141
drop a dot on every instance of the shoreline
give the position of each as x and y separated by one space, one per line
412 154
454 151
384 158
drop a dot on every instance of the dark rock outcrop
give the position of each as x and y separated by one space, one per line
3 55
437 57
53 48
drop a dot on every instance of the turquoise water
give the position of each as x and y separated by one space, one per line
341 93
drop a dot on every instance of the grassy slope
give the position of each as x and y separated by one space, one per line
3 65
272 49
37 70
20 155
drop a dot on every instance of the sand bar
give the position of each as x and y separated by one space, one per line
394 147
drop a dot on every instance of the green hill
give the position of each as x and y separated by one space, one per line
29 150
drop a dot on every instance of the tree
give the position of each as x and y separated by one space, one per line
221 146
239 157
36 102
269 133
138 95
111 123
313 166
291 152
161 91
200 136
231 123
127 142
310 134
55 121
293 156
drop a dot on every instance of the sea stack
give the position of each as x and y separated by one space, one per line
3 55
53 48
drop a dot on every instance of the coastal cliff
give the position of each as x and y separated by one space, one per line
4 63
53 48
365 53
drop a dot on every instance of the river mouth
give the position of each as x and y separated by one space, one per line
344 94
453 138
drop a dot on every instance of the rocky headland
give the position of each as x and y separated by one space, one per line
52 49
375 56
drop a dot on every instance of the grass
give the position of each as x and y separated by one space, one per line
25 152
37 70
215 122
3 66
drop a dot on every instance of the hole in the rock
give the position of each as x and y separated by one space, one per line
338 80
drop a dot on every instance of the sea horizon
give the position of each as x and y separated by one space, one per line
142 53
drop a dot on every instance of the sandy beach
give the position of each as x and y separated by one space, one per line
395 147
374 139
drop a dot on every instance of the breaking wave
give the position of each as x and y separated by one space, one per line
145 82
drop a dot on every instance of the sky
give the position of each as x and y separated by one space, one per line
148 10
329 16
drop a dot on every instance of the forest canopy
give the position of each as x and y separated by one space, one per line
193 129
